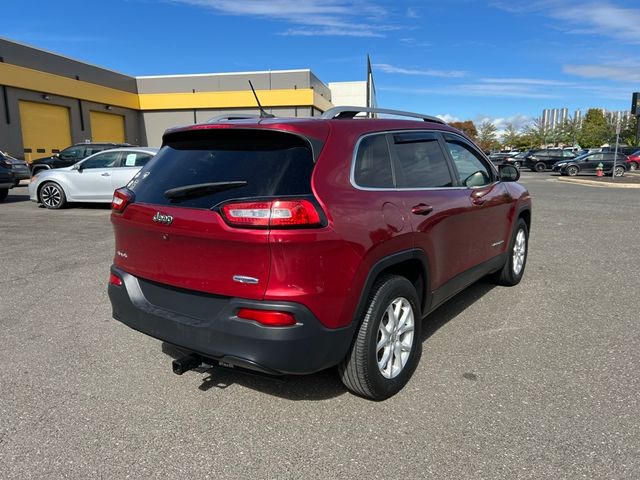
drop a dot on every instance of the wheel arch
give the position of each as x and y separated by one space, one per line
412 264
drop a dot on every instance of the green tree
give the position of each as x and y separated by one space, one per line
537 133
511 136
595 130
628 131
468 127
487 135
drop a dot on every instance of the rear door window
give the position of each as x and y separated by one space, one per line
271 163
421 162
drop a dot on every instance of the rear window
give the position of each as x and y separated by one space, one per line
271 163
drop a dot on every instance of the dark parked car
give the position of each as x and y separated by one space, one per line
544 159
6 180
289 245
589 162
18 167
500 158
71 155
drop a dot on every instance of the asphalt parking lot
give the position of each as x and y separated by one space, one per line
535 381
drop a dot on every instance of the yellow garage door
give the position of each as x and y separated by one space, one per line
46 129
107 127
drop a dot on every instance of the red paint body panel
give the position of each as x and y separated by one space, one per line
198 251
324 269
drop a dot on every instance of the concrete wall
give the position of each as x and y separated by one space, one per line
349 93
217 82
157 122
37 59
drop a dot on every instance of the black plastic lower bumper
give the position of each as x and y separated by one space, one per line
207 324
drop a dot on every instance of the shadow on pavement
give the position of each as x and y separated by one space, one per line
326 384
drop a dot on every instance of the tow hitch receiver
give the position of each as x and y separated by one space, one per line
186 363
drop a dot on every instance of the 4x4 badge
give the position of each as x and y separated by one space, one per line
162 218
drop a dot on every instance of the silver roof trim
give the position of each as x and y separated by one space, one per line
351 112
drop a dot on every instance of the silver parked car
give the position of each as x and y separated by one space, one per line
93 179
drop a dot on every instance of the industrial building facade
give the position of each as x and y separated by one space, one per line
48 102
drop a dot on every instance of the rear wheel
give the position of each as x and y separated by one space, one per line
513 269
387 346
52 196
572 170
540 167
3 193
618 171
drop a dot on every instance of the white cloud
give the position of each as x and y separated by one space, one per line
354 18
448 117
525 81
600 18
610 72
387 68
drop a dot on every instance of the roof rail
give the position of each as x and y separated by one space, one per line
351 112
232 116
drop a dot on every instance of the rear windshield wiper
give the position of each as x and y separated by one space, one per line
201 189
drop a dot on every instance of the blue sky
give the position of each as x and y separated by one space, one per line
461 59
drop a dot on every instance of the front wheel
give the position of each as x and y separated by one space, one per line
572 171
387 346
633 166
517 165
513 269
52 196
540 167
618 171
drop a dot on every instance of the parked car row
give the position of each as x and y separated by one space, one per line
12 171
93 179
569 162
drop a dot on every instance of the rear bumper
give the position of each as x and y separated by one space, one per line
207 324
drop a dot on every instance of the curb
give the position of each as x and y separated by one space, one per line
593 183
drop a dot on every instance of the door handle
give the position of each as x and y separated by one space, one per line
421 209
105 174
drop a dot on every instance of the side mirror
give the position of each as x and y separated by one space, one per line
77 166
509 173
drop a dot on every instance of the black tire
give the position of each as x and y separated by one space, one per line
507 276
572 170
3 194
633 166
16 183
618 172
52 196
540 167
359 371
517 165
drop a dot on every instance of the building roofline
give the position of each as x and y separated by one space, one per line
23 44
223 73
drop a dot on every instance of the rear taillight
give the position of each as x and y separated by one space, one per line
121 198
269 318
115 280
272 213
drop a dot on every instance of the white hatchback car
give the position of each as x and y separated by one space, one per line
93 179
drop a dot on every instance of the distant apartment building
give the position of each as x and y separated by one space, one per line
554 117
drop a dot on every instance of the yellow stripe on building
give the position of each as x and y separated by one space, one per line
29 79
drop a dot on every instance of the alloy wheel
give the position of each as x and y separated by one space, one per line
519 252
395 338
51 196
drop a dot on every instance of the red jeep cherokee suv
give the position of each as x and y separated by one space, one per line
289 245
